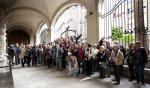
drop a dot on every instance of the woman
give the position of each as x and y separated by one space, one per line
102 61
89 60
22 53
130 61
119 57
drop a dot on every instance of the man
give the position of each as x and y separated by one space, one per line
28 52
40 54
140 61
11 53
59 55
34 55
17 52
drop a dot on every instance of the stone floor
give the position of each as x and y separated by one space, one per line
42 77
6 80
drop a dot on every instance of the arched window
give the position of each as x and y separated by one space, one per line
71 22
42 34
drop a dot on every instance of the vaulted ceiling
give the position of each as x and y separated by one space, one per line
30 13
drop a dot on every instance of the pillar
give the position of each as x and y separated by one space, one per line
92 21
3 55
140 32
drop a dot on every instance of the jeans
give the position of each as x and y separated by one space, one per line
139 70
17 60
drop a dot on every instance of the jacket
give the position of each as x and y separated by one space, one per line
119 58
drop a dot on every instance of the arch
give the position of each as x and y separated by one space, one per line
62 8
39 31
25 27
74 22
18 36
30 9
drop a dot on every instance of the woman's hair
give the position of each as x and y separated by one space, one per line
130 45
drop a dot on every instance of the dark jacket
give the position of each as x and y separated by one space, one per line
143 57
11 51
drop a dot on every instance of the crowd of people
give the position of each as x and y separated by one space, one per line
83 58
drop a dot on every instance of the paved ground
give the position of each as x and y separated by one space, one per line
42 77
6 80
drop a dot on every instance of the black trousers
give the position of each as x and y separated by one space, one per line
89 66
22 62
28 61
84 67
11 58
79 63
34 61
102 71
131 70
49 62
118 69
25 59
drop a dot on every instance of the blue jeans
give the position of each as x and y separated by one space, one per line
139 70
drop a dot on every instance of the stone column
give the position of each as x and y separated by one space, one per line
140 32
3 55
92 21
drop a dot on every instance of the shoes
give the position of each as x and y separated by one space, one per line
114 80
143 84
116 83
130 80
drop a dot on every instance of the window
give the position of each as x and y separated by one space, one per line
43 34
71 22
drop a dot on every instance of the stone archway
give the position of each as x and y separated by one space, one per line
18 36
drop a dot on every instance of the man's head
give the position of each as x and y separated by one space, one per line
17 45
116 47
11 45
137 44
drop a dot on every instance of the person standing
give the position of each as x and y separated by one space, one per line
48 56
79 56
59 55
11 53
89 60
118 63
22 53
40 54
34 56
17 52
102 61
29 55
130 61
141 58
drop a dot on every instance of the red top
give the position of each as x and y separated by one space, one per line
80 54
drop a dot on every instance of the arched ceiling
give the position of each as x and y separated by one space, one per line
32 12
